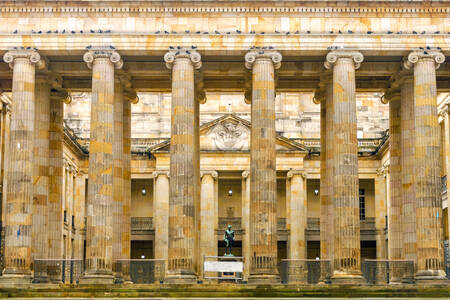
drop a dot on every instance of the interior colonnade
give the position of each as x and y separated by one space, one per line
185 213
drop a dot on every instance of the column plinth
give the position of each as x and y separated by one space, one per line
19 196
345 182
184 190
427 185
99 232
263 184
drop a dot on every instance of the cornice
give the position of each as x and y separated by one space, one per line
139 7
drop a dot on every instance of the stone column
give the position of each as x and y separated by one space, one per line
408 206
263 186
118 186
380 213
100 189
446 117
208 216
161 214
245 221
80 187
395 233
297 215
297 220
19 195
130 97
324 96
56 188
184 167
6 122
345 167
427 182
41 167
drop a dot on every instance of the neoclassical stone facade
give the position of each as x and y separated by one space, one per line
140 129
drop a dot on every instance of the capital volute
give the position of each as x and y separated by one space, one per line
291 173
253 55
155 174
390 95
245 174
102 52
213 174
191 54
334 56
436 56
30 55
319 96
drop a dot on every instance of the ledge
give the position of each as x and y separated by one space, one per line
222 290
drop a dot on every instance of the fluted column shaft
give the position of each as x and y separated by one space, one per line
19 195
161 214
118 188
126 201
99 234
408 206
41 167
80 187
263 184
345 166
56 180
184 167
324 96
430 264
208 214
446 116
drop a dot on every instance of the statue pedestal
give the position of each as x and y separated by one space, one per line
223 268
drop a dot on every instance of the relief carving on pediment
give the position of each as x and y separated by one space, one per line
230 135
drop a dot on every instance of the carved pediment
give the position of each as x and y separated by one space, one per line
229 133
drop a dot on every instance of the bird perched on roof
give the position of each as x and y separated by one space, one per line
308 31
171 47
194 47
15 31
349 31
389 32
369 32
414 32
252 32
238 31
437 32
112 47
276 31
92 31
187 31
216 32
423 32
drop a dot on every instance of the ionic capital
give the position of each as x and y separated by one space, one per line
292 173
31 55
192 55
213 174
155 174
93 54
245 174
436 56
252 56
334 56
200 94
58 93
129 93
390 94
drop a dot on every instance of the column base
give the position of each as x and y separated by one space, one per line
180 279
15 279
431 277
264 279
298 279
97 279
347 278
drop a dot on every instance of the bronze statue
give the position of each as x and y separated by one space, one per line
228 237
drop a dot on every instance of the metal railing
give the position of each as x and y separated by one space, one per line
58 270
305 271
142 270
141 223
383 271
